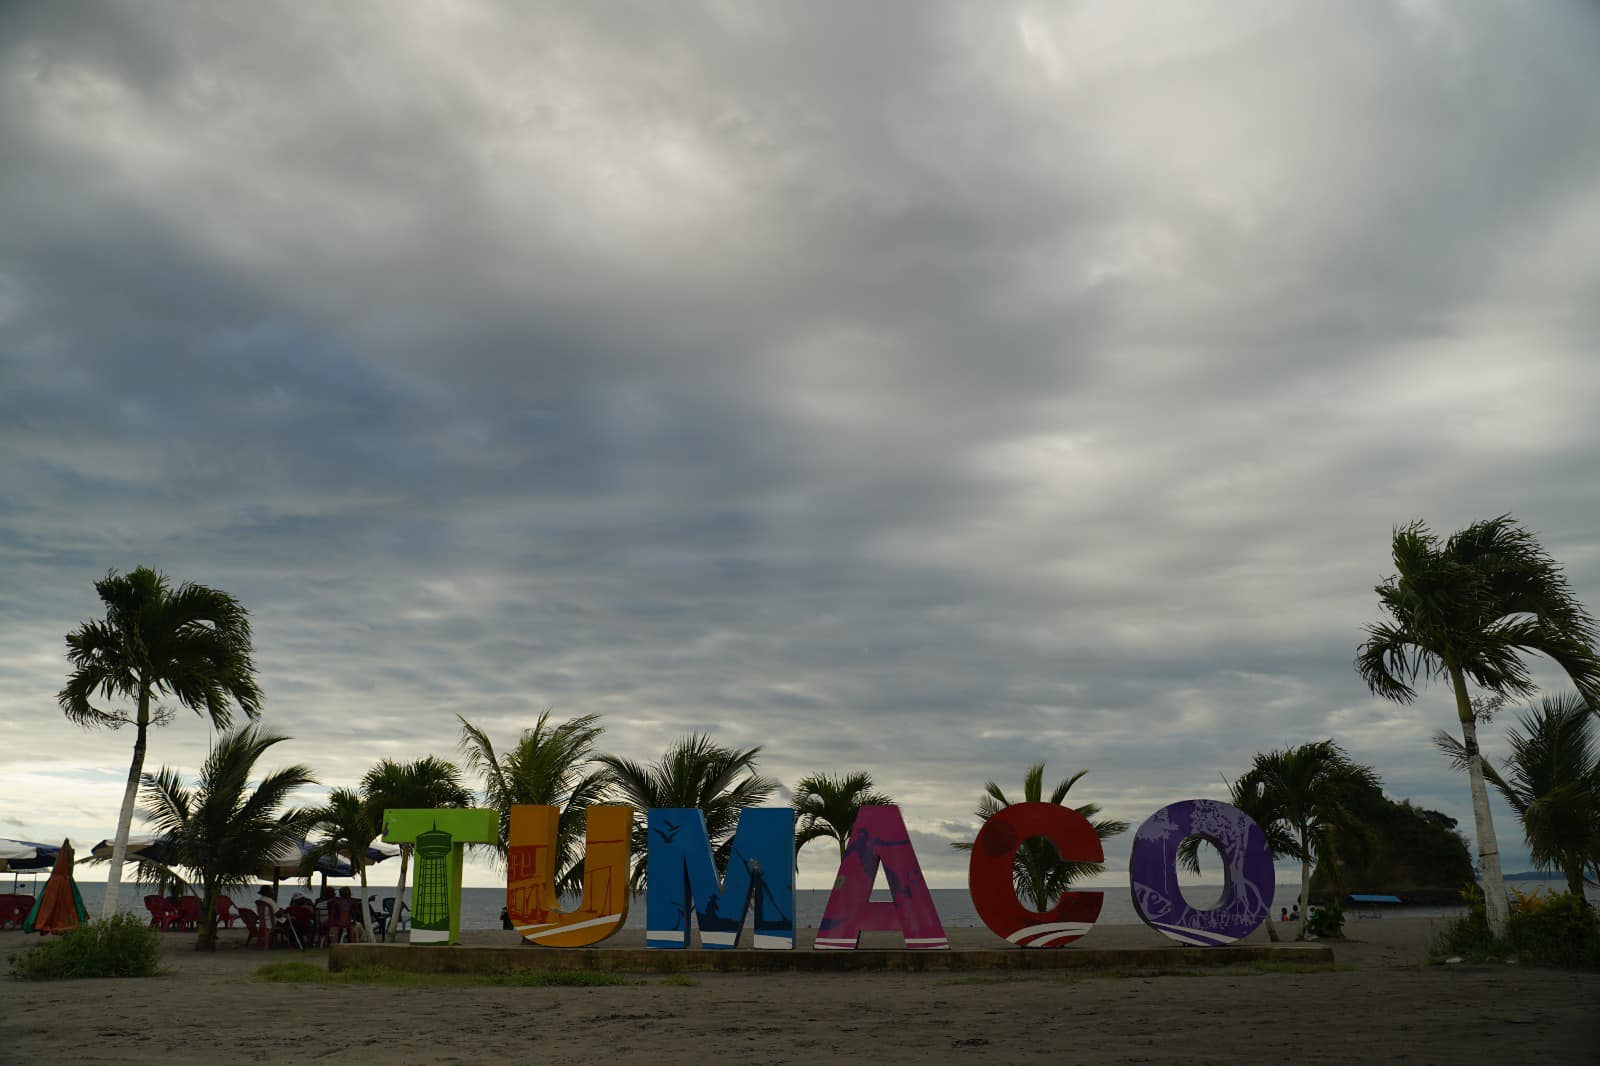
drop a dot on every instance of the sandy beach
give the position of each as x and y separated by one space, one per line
1384 1003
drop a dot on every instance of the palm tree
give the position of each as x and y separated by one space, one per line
695 772
348 824
827 806
1469 609
426 784
548 766
221 829
1300 797
1552 781
192 644
1041 874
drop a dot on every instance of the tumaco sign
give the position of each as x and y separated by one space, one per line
759 882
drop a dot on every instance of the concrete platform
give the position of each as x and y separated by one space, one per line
467 959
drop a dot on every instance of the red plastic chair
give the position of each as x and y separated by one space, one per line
226 912
188 913
162 914
263 928
304 920
323 912
13 912
252 927
341 917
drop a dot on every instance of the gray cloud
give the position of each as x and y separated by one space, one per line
930 388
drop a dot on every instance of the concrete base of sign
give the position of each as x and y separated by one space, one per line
632 960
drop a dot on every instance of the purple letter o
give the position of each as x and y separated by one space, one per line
1246 865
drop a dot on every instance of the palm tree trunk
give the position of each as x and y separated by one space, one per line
207 941
119 847
1305 891
1574 874
399 894
366 902
1496 906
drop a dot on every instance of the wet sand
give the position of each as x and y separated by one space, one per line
1383 1004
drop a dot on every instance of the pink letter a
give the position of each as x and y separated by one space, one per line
880 836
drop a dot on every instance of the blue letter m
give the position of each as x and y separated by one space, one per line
683 877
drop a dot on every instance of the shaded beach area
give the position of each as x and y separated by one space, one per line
1381 1001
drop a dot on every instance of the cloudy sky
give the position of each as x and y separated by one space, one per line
924 388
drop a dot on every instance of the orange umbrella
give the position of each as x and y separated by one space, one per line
59 907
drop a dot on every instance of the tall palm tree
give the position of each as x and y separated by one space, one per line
1468 609
425 784
1040 872
827 806
221 828
1552 781
348 824
1301 797
549 765
695 772
192 644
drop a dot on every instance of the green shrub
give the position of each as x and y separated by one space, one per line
1555 929
1558 929
1468 936
1326 921
119 946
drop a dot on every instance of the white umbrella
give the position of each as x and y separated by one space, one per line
26 855
289 861
154 849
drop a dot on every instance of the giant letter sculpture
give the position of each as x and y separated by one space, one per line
992 881
1246 866
532 902
880 836
683 879
440 838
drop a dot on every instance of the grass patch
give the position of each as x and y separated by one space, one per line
1078 976
679 980
305 973
120 946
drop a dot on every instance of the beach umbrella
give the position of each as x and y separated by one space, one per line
290 861
26 854
156 849
59 907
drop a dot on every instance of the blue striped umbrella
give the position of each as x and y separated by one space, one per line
26 854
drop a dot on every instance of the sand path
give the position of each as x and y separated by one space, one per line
1386 1006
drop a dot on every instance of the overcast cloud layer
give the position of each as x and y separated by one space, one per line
922 388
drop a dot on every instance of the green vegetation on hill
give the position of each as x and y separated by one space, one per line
1417 854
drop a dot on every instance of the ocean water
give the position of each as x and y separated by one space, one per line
481 906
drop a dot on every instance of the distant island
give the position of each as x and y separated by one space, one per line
1413 852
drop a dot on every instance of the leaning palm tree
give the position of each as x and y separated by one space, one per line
1300 797
550 765
1041 875
192 644
425 784
695 772
348 825
1469 609
1552 781
220 828
826 806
